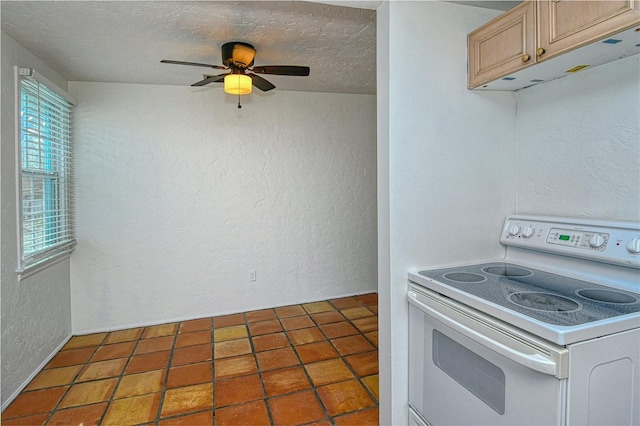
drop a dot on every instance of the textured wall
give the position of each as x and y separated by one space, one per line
579 144
36 312
180 194
450 169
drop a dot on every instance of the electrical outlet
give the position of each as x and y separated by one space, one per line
252 275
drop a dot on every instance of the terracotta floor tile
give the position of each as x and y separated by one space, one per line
230 348
140 384
305 335
338 329
295 323
187 399
277 358
316 307
251 413
355 313
230 333
54 377
89 393
265 327
330 371
102 370
364 364
191 374
285 381
160 330
344 397
327 317
71 357
367 324
147 362
345 302
124 335
236 366
317 351
361 418
129 376
77 342
298 408
261 315
117 350
192 354
134 410
39 401
155 344
37 419
84 415
238 390
368 299
196 325
352 345
270 341
373 384
193 339
373 337
228 320
204 418
290 311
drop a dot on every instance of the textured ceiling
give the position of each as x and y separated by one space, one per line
124 41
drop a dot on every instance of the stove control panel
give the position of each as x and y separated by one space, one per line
580 239
603 241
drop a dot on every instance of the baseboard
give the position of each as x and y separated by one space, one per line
15 394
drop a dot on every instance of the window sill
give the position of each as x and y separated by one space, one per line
40 266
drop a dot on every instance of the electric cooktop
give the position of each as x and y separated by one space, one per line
547 297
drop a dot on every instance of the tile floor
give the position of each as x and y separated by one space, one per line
314 363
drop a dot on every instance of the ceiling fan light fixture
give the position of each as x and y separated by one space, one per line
237 84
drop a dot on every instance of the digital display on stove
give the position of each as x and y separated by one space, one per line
564 237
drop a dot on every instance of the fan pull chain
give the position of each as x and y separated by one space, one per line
239 106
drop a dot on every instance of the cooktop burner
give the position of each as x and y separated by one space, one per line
547 297
544 302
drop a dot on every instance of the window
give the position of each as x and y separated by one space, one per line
45 178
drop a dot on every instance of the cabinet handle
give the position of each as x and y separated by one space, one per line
525 58
540 51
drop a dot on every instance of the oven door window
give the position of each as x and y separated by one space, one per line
480 377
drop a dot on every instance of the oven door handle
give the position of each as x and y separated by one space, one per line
535 362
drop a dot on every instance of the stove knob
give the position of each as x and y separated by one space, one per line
596 241
633 246
514 230
527 232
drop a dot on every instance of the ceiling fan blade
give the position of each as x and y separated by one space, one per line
194 64
210 79
282 70
261 83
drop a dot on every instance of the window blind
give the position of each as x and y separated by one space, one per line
46 184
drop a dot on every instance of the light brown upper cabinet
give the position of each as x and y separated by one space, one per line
565 25
537 30
504 45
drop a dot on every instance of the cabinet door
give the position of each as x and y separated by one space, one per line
502 46
565 25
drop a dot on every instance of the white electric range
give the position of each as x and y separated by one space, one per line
550 334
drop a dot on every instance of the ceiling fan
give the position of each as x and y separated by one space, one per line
238 58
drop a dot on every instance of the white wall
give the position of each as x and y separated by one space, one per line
450 154
579 144
180 194
36 312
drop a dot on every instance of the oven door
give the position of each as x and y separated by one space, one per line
465 368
